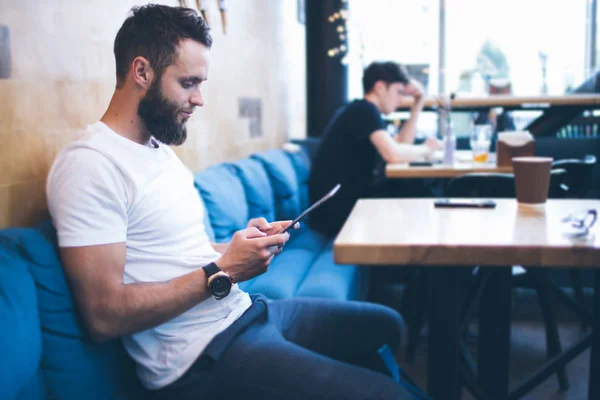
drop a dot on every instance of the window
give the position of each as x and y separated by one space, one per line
534 46
538 45
524 47
405 31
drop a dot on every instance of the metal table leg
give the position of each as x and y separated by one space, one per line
443 381
494 333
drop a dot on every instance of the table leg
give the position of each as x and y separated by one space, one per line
494 333
594 379
443 380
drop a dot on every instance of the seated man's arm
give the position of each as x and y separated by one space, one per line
409 128
112 308
393 152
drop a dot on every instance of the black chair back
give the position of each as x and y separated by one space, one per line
483 185
578 179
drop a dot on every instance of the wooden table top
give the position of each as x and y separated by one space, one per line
463 165
522 102
413 232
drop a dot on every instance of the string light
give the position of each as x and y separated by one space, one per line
338 19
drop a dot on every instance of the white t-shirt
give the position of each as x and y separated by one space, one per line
104 189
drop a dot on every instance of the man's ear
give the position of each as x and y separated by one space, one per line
379 87
142 73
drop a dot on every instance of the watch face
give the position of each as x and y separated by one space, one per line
220 286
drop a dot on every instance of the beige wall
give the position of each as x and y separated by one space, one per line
63 77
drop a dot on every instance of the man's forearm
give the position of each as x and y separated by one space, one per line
140 306
409 129
410 152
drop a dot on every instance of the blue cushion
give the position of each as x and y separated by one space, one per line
21 339
257 187
34 389
224 197
301 163
329 280
284 181
288 269
74 367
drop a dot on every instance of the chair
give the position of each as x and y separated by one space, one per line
579 175
576 185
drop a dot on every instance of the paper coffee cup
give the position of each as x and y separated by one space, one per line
532 179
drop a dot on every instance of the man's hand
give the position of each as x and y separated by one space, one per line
271 228
432 144
250 252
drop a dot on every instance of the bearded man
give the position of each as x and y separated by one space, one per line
141 267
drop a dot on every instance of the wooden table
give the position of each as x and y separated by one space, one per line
413 232
463 165
513 102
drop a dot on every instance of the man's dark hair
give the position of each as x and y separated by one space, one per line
388 72
154 31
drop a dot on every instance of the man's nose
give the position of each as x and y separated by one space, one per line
197 100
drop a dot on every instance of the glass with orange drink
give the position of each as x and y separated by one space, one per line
481 138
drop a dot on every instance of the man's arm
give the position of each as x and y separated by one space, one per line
393 152
409 128
111 308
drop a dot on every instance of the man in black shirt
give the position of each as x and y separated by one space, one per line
356 146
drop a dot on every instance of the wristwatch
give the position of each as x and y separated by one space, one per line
219 283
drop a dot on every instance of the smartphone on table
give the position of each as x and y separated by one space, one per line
464 203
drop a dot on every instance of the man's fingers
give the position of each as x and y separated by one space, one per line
273 240
260 223
253 232
285 224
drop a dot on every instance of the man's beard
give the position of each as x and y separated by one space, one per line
160 117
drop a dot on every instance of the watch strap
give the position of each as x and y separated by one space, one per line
211 269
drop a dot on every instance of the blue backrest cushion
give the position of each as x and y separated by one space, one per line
34 389
257 188
224 198
284 181
74 366
20 337
301 163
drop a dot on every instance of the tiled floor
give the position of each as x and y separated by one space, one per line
528 352
528 346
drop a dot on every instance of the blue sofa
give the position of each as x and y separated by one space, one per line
45 351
